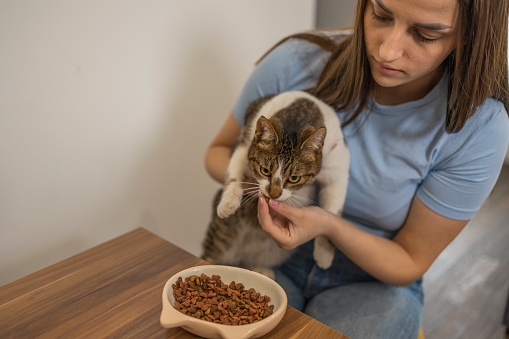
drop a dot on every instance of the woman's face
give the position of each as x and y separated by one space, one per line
407 40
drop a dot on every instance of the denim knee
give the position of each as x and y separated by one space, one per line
370 310
294 294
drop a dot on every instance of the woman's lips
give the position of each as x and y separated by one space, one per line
385 69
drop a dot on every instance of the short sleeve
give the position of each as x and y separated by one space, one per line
293 65
468 165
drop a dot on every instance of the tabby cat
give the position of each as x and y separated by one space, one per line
290 142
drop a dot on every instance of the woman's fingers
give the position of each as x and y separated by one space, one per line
285 210
275 224
264 216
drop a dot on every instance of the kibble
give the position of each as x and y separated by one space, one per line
209 299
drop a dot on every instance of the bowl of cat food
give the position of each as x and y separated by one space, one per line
215 301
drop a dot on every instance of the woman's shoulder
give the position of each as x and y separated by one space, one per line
485 134
494 108
495 119
466 164
492 115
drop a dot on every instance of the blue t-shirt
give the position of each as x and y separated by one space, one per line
397 151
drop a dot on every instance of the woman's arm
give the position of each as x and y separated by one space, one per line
399 261
218 153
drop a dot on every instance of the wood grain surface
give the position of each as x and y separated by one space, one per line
114 290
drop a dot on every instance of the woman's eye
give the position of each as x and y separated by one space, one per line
294 179
378 17
264 171
424 39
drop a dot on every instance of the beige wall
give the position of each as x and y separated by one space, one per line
106 108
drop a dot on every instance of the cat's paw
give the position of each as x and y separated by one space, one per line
230 202
268 272
227 208
323 252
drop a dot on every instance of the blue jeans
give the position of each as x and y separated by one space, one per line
348 299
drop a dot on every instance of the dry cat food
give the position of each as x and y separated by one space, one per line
210 299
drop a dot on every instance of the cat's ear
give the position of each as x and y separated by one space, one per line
265 133
314 143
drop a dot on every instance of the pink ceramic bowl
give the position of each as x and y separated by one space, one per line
170 317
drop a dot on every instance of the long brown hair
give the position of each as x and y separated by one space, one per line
477 67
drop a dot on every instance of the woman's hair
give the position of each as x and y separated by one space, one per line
477 66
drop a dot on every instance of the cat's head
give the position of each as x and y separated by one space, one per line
283 160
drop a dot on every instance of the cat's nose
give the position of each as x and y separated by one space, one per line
274 191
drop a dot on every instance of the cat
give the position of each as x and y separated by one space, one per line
290 142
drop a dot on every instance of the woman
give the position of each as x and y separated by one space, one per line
421 89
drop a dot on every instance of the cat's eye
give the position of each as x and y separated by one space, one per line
294 179
264 171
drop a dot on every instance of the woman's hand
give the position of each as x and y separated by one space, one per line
290 226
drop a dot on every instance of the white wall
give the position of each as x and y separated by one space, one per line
106 108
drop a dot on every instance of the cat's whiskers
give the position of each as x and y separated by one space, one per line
249 189
250 183
249 197
250 192
290 201
294 202
303 201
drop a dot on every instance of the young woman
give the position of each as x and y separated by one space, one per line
421 89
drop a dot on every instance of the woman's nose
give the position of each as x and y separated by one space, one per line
392 46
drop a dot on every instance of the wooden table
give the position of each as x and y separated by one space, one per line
114 289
